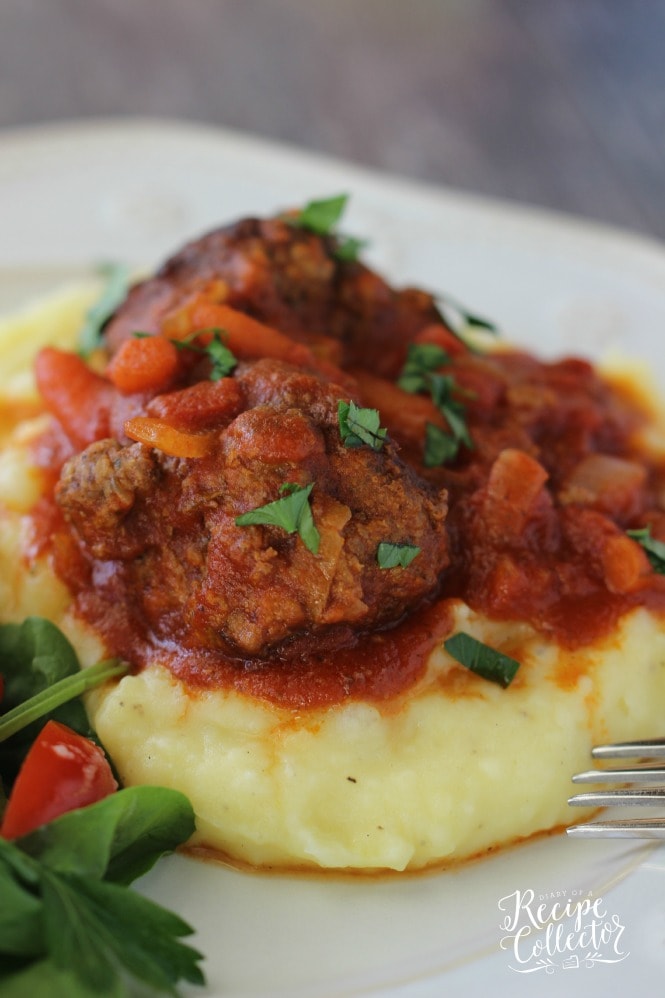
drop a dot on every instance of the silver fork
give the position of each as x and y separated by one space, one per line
647 777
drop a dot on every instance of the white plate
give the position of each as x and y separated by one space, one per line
134 190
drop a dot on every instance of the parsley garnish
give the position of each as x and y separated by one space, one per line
69 924
114 292
462 318
322 216
655 550
292 513
421 374
421 361
348 248
440 447
389 555
359 426
222 361
480 658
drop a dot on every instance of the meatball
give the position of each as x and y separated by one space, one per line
291 279
172 524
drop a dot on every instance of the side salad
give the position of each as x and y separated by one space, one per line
71 842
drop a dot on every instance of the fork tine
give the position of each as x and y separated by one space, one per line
654 748
610 798
646 774
624 828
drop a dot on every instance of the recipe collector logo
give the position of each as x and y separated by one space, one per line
562 930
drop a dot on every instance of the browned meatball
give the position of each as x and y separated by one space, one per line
291 279
249 589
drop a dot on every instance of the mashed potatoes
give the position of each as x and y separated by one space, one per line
447 769
456 767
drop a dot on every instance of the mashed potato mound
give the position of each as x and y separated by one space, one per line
448 769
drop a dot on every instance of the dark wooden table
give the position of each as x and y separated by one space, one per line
557 103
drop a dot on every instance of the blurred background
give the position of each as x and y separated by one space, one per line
555 103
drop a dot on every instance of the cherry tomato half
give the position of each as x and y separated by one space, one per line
62 771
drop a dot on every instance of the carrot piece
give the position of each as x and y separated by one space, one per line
159 434
79 398
200 406
146 363
245 337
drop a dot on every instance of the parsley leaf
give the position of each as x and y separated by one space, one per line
422 359
292 513
440 446
359 426
222 361
322 216
69 915
389 555
480 658
117 277
459 317
348 248
655 550
421 373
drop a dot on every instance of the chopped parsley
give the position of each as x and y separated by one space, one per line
655 550
389 555
359 426
460 318
348 248
322 216
292 513
222 361
420 374
421 361
115 290
440 446
480 658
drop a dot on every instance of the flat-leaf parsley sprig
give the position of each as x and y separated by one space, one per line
68 924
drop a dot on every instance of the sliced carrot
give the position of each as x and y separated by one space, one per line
146 363
79 398
159 434
200 406
245 337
